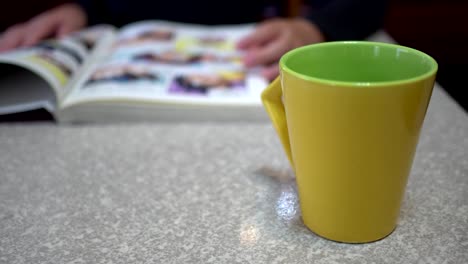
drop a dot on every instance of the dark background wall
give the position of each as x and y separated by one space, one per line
437 27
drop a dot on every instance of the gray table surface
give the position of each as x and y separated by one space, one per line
207 193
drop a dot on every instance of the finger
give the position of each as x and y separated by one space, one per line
269 53
40 28
65 29
249 56
260 36
12 38
271 72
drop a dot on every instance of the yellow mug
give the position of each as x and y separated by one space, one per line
349 115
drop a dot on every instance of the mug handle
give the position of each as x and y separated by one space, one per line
273 103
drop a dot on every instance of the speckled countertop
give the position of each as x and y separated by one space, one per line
207 193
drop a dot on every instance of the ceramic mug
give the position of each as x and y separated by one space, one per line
349 115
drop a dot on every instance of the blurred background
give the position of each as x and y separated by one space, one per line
437 27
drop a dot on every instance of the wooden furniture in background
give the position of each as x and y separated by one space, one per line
294 7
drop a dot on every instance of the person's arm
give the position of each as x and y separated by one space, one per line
274 37
332 20
349 19
55 22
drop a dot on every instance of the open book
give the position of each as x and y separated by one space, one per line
150 70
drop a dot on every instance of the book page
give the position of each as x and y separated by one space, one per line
55 61
157 61
21 91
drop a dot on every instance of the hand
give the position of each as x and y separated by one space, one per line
272 38
56 22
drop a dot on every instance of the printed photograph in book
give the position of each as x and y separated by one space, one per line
90 37
174 57
58 58
145 35
52 60
219 43
61 58
123 74
204 83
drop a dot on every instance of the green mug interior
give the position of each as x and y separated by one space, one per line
358 62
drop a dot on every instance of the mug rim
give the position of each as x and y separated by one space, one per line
429 73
